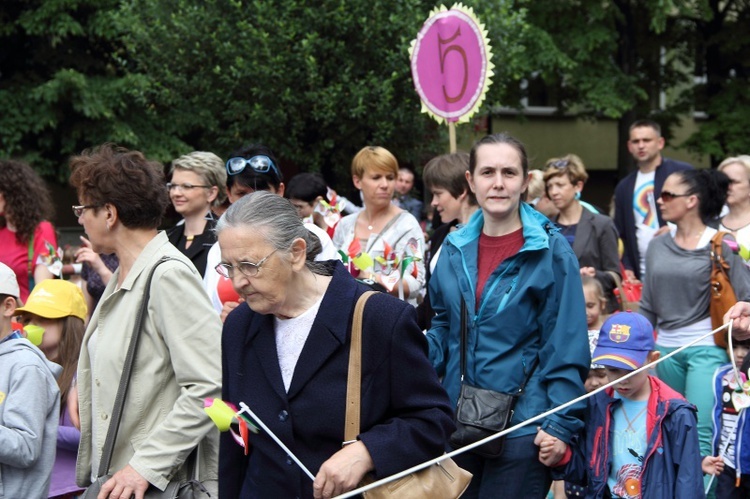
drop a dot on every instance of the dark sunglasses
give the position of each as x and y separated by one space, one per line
261 164
667 196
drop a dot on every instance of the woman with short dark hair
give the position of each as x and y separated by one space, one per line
122 198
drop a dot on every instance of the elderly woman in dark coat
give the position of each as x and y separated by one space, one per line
286 352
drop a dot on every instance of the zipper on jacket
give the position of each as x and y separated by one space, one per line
506 296
738 447
657 442
596 450
488 292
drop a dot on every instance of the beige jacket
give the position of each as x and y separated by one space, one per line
177 365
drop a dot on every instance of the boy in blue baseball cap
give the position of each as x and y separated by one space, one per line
640 439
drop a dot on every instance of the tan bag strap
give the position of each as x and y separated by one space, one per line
718 262
354 378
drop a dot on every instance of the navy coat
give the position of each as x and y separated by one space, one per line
406 417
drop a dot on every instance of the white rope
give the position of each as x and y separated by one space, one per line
529 421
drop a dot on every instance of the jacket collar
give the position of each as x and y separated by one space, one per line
146 258
328 334
536 229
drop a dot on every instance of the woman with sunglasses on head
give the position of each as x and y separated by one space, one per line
198 183
592 236
249 169
677 289
177 365
25 234
525 317
382 230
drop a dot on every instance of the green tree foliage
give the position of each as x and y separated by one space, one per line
318 80
64 86
627 59
723 56
315 81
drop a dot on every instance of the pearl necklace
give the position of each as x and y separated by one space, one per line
370 223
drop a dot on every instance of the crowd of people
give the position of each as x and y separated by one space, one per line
506 284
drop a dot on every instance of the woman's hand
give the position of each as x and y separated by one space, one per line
72 403
739 314
86 254
589 271
343 471
630 276
125 483
551 449
227 307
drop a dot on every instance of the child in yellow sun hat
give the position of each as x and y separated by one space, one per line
29 403
53 319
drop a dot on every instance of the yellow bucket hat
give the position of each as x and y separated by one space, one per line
54 299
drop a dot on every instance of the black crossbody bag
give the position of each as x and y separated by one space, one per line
481 412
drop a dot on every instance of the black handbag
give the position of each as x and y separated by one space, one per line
189 489
481 412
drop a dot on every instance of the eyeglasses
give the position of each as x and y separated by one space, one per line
185 187
667 196
560 163
78 210
261 164
249 269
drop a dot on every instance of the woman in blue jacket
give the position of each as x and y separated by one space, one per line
521 284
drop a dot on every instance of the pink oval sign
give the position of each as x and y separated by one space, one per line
449 64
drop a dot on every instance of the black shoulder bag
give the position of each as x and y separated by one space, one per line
481 412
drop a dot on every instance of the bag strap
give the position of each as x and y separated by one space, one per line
385 229
717 259
127 370
464 335
534 363
354 378
464 321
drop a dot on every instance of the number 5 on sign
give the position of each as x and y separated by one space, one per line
450 65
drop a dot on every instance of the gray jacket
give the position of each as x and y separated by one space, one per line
29 414
177 366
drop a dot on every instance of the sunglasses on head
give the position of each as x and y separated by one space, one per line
260 163
667 196
560 163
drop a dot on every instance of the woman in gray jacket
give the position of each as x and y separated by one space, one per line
122 198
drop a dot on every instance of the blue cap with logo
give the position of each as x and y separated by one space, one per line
625 340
